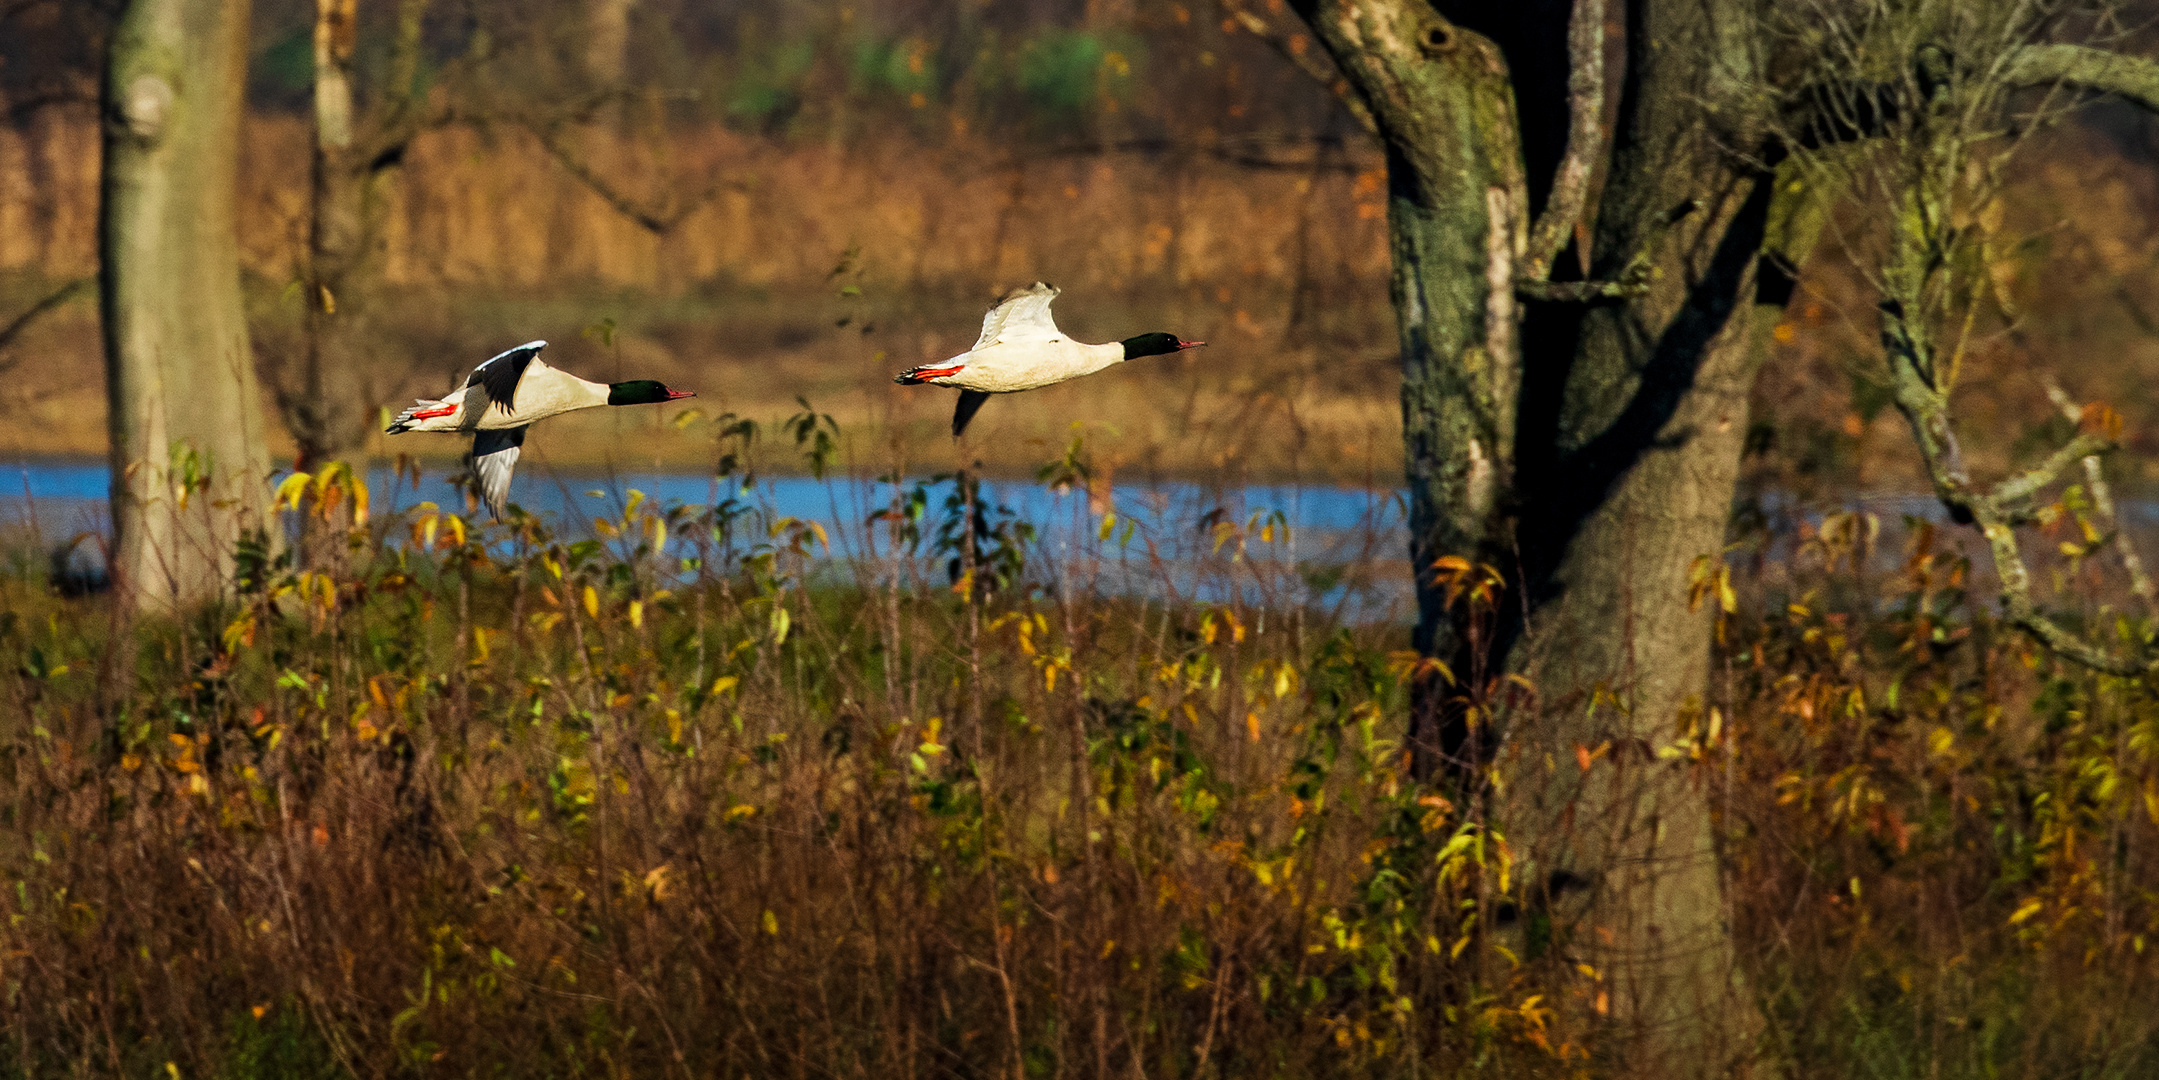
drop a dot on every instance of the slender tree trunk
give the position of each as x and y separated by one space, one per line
1455 213
189 467
324 415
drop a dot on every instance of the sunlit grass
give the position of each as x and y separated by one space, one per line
695 796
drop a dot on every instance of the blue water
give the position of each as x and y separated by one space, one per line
1340 548
65 495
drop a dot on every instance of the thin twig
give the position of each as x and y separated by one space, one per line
1585 140
51 300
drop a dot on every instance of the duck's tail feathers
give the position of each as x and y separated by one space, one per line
926 372
406 421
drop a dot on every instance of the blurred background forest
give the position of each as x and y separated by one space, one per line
778 197
1163 166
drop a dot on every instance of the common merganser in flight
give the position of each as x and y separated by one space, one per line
1022 349
506 395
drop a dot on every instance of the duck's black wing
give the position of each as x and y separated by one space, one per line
494 458
970 404
499 376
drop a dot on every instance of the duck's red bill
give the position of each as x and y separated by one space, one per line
677 395
1183 344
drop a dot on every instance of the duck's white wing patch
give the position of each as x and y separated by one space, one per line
1023 315
497 379
494 459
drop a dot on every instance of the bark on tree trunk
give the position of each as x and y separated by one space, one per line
190 473
1632 440
1592 455
1455 214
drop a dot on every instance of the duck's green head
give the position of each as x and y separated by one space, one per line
1156 345
642 392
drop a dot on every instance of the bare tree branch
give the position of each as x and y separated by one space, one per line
1994 512
1585 140
658 220
1293 48
2086 446
51 300
2100 71
2095 482
1632 280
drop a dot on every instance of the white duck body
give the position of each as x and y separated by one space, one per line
1007 367
533 391
1022 349
506 395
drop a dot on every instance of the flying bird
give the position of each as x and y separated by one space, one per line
509 393
1022 349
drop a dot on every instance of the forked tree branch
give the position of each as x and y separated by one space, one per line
2102 496
1585 141
1996 512
659 220
1632 280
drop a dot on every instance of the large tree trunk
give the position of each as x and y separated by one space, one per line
1631 447
189 467
1592 454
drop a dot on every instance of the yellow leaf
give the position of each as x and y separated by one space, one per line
637 613
240 632
1251 725
772 923
592 602
2031 907
289 491
725 683
656 881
